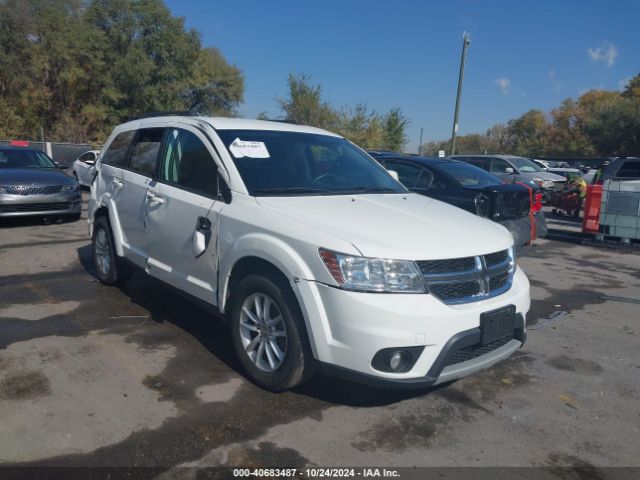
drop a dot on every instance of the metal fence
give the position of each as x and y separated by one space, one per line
63 153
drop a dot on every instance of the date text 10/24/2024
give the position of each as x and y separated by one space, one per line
316 472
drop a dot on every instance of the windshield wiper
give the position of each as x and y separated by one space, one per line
368 190
290 190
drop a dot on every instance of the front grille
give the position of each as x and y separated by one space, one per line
495 258
23 190
469 279
455 290
34 207
449 265
475 351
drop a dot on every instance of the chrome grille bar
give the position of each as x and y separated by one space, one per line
492 275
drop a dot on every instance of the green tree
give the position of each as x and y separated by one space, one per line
78 67
632 89
368 129
615 128
395 125
304 104
527 133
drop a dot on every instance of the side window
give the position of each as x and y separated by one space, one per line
499 166
116 155
408 174
438 182
187 163
479 162
629 169
86 156
145 152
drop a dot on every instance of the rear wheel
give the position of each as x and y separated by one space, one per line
111 270
268 333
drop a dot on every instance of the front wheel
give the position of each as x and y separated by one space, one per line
111 270
268 333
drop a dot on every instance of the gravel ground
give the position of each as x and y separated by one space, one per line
138 376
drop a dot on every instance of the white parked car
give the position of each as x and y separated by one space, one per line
84 167
317 258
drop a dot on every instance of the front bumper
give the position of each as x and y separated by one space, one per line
63 203
347 329
520 228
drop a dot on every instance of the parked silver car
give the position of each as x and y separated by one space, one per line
510 168
33 184
84 169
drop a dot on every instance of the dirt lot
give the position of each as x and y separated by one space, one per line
91 375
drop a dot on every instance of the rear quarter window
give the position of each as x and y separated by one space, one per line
629 169
116 154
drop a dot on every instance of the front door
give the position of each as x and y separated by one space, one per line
183 215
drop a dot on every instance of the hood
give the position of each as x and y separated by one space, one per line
34 176
400 226
546 176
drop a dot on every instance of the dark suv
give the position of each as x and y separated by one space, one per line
472 189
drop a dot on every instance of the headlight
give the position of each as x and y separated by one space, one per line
70 188
373 274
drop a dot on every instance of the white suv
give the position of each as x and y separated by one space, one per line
313 253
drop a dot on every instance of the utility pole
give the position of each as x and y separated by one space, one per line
466 40
420 144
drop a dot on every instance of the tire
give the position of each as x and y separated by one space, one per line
111 270
289 335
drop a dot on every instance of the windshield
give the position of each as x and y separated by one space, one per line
468 175
291 163
525 165
15 158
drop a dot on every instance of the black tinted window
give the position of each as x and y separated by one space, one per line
187 163
116 154
411 176
481 162
500 166
145 152
629 169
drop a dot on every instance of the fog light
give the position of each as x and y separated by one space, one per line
399 360
396 359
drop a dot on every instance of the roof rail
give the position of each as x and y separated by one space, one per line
281 120
175 113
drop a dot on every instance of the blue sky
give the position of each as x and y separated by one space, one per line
406 54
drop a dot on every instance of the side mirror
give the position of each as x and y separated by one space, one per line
394 174
201 236
90 162
509 170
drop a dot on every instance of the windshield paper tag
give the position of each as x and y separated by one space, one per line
242 148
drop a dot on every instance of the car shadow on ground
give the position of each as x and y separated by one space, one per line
165 304
20 222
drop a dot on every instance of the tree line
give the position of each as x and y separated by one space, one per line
367 128
76 68
599 123
73 69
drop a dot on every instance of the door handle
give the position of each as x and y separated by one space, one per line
118 183
153 198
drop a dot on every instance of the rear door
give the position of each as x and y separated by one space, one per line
183 208
135 179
